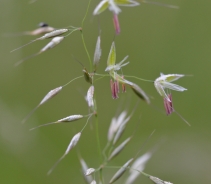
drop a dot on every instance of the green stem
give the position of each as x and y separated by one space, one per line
82 23
82 36
72 32
99 147
96 119
98 78
111 148
90 61
86 122
103 75
98 139
139 78
160 4
72 80
118 167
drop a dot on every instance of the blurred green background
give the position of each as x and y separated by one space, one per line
157 39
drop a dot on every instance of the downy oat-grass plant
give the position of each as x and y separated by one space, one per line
119 83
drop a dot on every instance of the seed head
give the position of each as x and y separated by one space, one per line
73 142
121 171
158 181
138 91
53 34
90 95
63 120
119 149
93 182
139 164
89 171
84 169
115 124
47 35
98 52
71 118
41 30
55 41
47 97
51 94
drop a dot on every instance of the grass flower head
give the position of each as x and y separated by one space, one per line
164 82
112 5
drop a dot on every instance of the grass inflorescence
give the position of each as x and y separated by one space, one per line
119 82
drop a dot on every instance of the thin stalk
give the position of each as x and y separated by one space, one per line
160 4
99 78
118 167
82 36
139 78
82 23
104 151
110 150
103 75
72 32
86 122
72 80
96 119
98 140
99 147
129 76
87 52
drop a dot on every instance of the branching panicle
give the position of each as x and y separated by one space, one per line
114 145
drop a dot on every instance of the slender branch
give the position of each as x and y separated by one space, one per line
87 52
82 36
139 78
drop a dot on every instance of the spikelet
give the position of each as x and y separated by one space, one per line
55 41
84 166
47 35
89 171
93 182
97 53
119 149
120 130
115 124
138 91
90 95
158 181
63 120
139 164
47 97
72 144
120 172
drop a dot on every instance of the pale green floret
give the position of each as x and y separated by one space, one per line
112 5
102 6
98 52
111 62
170 77
117 66
126 2
112 56
163 82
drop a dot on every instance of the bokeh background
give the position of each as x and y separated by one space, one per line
157 39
